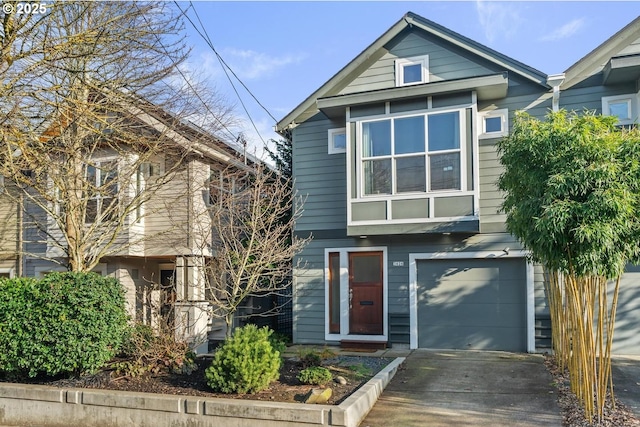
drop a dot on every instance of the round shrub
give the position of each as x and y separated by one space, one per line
245 363
316 375
65 323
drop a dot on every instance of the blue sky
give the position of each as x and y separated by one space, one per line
285 50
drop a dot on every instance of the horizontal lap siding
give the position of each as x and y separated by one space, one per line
320 177
309 294
590 98
443 64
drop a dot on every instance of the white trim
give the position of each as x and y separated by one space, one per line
331 146
503 114
10 270
400 63
413 286
631 99
40 271
344 294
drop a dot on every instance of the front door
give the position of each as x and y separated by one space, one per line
167 298
365 293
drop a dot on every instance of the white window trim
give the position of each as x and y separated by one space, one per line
10 270
632 101
332 148
344 295
413 287
360 193
503 113
422 60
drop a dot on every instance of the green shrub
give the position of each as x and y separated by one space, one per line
65 323
315 375
245 363
279 342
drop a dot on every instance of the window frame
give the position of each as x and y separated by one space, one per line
427 154
98 183
503 113
632 107
331 133
400 63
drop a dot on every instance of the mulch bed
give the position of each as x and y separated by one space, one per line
572 413
287 389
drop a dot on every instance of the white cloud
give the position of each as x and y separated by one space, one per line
498 19
249 64
567 30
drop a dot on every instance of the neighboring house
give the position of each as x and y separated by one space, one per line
396 155
9 233
163 250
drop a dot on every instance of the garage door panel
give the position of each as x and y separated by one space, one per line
465 338
475 315
472 304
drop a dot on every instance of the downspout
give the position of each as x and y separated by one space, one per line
555 80
20 219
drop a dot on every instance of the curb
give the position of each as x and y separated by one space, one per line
46 406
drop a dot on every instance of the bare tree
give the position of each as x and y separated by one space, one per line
92 122
253 238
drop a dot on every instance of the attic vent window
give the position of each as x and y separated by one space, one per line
412 71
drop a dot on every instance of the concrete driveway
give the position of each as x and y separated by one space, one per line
468 388
626 381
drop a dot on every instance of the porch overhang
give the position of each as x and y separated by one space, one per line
493 86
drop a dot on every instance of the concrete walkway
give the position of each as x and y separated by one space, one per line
468 388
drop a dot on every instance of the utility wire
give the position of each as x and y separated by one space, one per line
197 94
225 67
223 64
230 69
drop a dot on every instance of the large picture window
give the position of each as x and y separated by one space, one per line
419 153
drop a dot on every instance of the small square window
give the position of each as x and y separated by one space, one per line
337 141
493 124
622 106
411 71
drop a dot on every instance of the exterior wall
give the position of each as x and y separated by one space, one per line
321 177
9 232
309 283
444 64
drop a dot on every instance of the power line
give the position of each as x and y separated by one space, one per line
197 94
225 67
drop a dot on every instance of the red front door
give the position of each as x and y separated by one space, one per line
365 293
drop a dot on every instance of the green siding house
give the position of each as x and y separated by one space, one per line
396 157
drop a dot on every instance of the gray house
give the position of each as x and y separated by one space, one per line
396 155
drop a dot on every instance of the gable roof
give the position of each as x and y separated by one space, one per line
308 107
597 59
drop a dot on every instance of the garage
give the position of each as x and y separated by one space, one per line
476 304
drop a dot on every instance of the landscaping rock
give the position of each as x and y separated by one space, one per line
319 396
340 380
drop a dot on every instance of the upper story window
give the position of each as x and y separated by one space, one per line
102 180
494 124
624 107
337 141
411 71
420 153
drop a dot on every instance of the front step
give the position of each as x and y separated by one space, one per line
363 345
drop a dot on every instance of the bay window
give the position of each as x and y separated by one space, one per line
411 154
